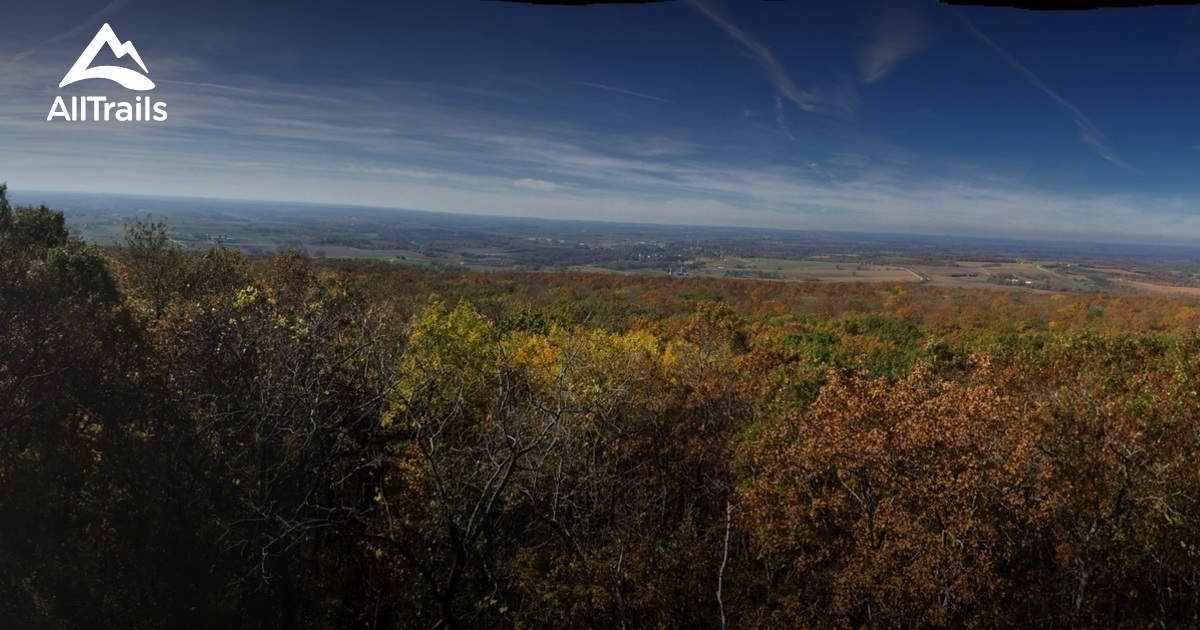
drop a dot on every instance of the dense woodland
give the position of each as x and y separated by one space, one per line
202 439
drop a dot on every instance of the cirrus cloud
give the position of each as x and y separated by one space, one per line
535 184
898 34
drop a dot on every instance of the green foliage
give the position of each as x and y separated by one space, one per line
208 439
529 320
153 264
593 312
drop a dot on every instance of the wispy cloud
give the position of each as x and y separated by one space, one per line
777 74
1088 132
515 150
448 157
215 86
898 34
622 91
780 121
90 23
535 184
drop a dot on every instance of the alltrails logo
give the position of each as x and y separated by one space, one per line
142 108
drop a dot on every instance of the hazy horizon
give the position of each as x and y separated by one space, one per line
87 204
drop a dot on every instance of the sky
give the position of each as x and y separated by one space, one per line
885 116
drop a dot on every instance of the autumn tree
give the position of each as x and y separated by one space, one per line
90 535
906 505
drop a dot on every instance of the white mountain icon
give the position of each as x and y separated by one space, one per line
126 77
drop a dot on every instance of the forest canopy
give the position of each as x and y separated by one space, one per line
206 439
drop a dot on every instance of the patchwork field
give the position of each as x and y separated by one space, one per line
1045 275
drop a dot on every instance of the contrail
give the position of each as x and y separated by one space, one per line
1087 131
621 91
775 70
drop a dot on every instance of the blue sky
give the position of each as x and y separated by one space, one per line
876 116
